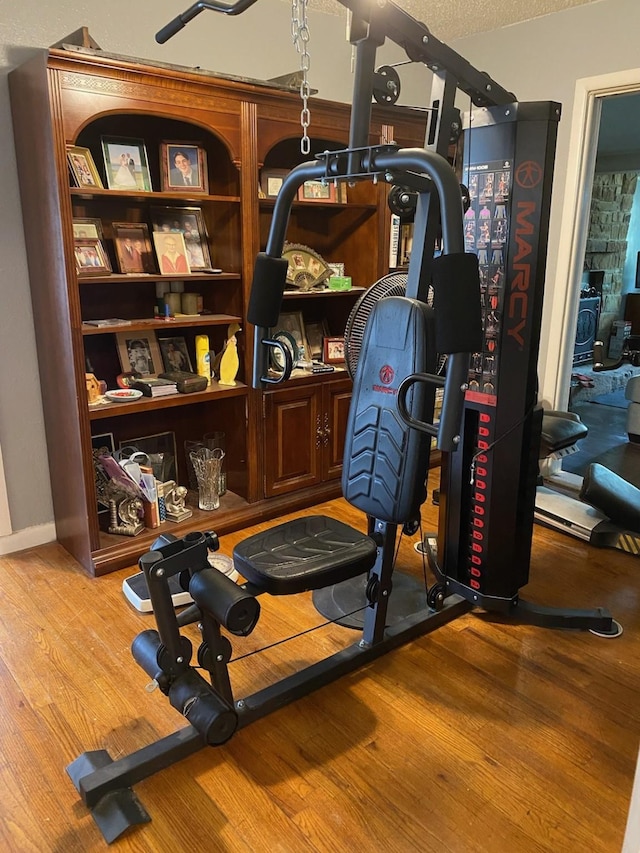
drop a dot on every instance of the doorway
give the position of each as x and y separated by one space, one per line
601 187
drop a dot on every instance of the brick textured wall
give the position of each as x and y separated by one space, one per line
611 202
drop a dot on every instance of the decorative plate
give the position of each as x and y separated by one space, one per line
123 395
307 269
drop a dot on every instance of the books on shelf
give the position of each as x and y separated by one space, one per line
153 386
110 321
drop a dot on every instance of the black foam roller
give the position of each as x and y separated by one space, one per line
456 285
269 279
234 608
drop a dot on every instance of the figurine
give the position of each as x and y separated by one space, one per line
229 363
175 498
128 510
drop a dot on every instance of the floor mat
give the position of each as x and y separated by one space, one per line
614 398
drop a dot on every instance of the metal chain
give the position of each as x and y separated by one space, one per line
300 35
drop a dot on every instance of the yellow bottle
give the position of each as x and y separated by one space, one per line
203 362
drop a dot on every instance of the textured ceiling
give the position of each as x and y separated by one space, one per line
450 19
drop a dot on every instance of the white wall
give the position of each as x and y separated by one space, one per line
538 60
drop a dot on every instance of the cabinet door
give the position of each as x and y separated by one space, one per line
335 410
292 439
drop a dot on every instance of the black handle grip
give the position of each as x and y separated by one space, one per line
288 363
170 30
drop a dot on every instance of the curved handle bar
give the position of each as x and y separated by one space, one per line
403 390
288 363
178 23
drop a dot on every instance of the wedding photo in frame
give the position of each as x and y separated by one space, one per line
188 221
91 258
183 168
175 355
83 169
133 247
126 164
139 353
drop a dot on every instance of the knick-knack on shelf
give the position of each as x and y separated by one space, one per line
230 363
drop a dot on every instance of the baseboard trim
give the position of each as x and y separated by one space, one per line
27 538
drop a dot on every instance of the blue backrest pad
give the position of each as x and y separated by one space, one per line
386 462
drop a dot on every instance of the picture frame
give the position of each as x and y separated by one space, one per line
319 191
132 243
84 228
333 350
183 168
101 445
271 181
336 269
190 222
91 258
293 323
316 331
139 353
161 450
175 355
126 164
171 253
82 168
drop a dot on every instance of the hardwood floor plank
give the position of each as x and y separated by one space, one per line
480 736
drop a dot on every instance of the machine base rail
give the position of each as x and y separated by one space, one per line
105 785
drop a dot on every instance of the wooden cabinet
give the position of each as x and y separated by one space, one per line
304 434
62 98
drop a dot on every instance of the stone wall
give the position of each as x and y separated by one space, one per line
611 202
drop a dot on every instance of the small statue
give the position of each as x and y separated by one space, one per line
128 510
230 363
175 498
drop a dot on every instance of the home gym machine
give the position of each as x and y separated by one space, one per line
485 319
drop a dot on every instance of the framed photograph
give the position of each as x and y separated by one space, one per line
317 191
87 228
126 164
139 353
171 252
293 323
316 332
83 169
271 181
133 247
91 258
175 355
189 222
161 450
336 269
333 350
184 168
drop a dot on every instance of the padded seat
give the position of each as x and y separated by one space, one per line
560 430
612 495
307 553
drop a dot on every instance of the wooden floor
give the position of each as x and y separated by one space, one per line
476 737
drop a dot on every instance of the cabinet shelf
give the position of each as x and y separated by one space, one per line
167 325
178 199
146 404
120 278
324 205
322 294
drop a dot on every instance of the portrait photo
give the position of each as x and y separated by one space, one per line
133 247
188 221
126 164
175 355
87 229
333 350
139 354
184 167
171 252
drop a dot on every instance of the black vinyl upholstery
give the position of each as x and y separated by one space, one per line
384 467
615 497
559 431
